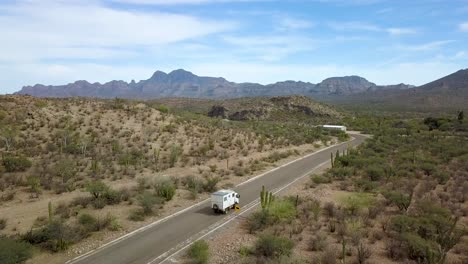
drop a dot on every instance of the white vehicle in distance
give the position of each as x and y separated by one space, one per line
224 200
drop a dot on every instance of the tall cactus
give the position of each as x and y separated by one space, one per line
50 211
331 159
266 198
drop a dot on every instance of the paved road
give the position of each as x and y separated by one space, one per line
149 244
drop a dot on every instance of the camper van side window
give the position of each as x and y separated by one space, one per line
225 198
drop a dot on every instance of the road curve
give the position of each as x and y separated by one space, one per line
150 243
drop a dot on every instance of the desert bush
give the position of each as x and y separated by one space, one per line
97 188
210 184
329 256
258 220
14 251
16 164
93 224
82 201
147 201
55 236
3 223
399 199
319 179
272 246
165 188
329 209
62 210
136 215
317 242
363 253
198 252
282 210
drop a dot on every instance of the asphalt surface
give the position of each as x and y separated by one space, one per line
158 240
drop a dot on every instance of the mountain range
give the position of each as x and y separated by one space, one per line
447 93
181 83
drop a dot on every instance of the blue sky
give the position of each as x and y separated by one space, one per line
386 41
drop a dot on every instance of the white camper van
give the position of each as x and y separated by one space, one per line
224 200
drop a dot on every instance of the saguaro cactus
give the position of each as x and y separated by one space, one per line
266 198
331 159
50 211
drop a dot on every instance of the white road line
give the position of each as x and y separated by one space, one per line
232 218
143 228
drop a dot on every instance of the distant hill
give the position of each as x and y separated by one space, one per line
447 93
181 83
284 108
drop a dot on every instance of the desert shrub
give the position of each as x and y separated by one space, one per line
13 251
136 215
365 185
62 210
99 203
165 188
93 224
363 253
317 242
258 220
329 256
16 164
198 252
88 221
399 199
174 155
55 236
318 179
147 201
329 209
281 210
97 188
112 196
194 185
375 173
210 184
3 223
240 171
82 201
357 201
341 172
272 246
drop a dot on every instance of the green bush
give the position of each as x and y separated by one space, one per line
16 164
258 220
137 215
282 210
318 179
55 236
165 188
198 252
399 199
97 188
272 246
147 202
210 184
375 173
13 251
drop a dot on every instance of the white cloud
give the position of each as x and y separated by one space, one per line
416 73
364 26
181 2
34 30
270 48
463 26
401 31
426 46
288 24
354 25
